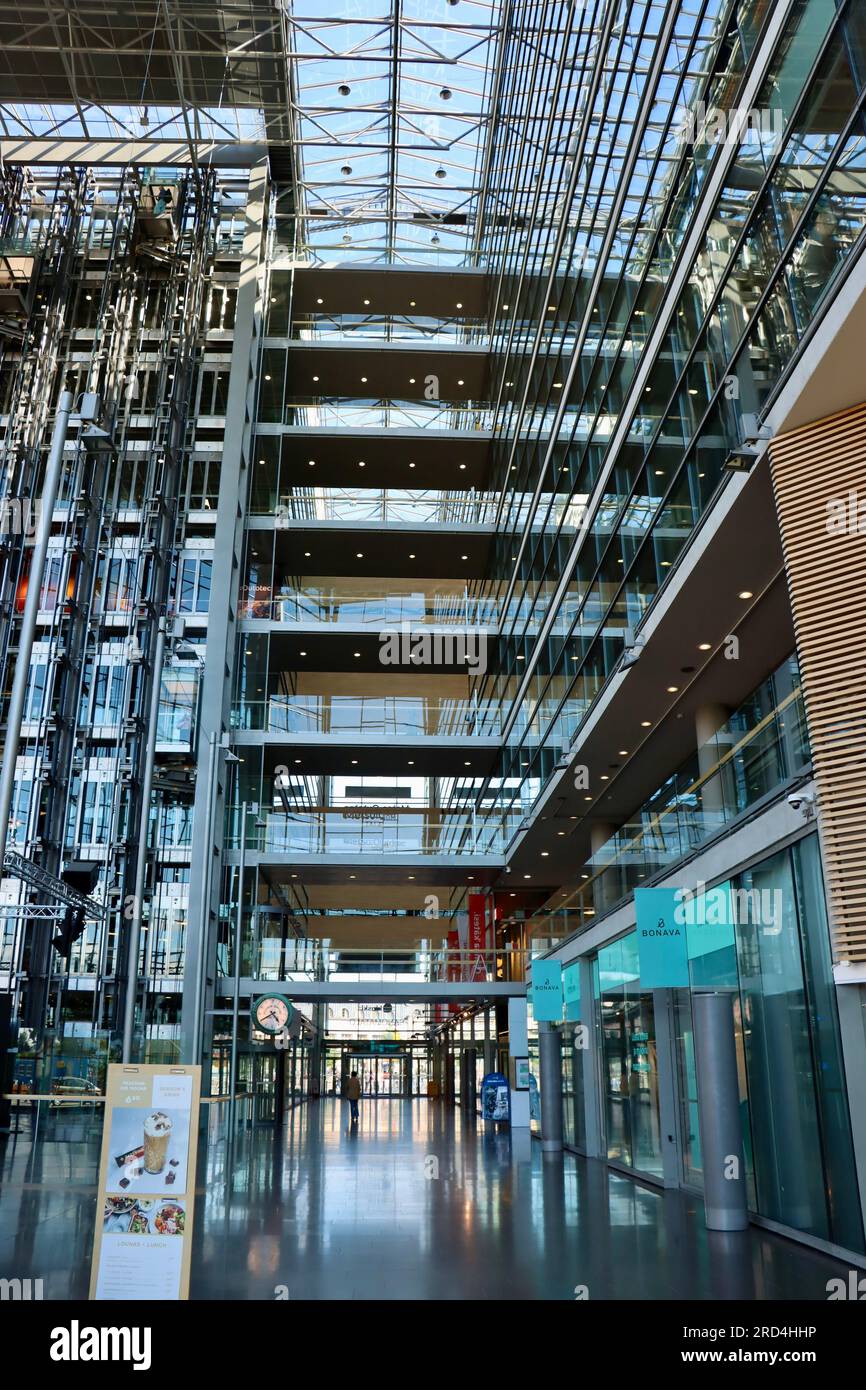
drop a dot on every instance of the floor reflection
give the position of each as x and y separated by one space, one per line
415 1202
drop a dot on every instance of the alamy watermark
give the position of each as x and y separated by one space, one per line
763 907
19 516
702 126
440 646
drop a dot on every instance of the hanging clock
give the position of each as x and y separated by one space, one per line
271 1013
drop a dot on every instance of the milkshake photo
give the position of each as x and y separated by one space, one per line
157 1132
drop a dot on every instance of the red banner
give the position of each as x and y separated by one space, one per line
477 909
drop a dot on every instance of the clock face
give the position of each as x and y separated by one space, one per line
271 1013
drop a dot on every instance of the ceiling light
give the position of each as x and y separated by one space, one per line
605 777
705 646
411 304
411 381
545 854
354 762
346 169
315 378
344 89
746 593
411 762
464 557
505 306
302 653
363 378
467 764
356 653
307 554
623 753
411 465
672 689
361 463
463 465
412 556
440 173
560 832
297 762
527 875
460 382
366 301
646 723
320 301
311 462
445 93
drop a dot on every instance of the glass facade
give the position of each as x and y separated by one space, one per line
796 1128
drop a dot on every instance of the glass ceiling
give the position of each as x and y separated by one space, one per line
391 116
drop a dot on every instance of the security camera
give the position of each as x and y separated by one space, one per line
803 801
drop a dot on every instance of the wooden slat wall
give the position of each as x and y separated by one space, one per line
820 463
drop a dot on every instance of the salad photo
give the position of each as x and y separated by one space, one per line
170 1219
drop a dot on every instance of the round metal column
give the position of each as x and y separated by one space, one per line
725 1203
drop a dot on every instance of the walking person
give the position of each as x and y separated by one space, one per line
353 1095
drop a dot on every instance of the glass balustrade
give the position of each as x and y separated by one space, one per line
736 773
376 609
403 716
388 505
364 831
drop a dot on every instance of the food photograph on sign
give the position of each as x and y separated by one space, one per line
148 1150
143 1216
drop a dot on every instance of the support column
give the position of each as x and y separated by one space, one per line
596 1146
518 1046
550 1085
725 1202
851 1002
218 675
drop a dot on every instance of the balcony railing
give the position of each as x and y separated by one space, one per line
401 716
735 778
380 830
368 609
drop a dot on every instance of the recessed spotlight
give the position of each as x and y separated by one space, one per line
560 832
646 723
359 554
545 854
672 689
411 465
623 753
307 554
467 764
464 557
356 653
551 308
411 381
411 878
411 762
705 646
363 378
412 555
745 593
315 378
527 875
302 653
366 301
297 762
605 777
354 762
361 463
320 301
411 304
462 465
505 306
461 382
311 463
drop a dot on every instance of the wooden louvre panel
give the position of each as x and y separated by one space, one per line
819 477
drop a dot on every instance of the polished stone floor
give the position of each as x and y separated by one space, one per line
416 1202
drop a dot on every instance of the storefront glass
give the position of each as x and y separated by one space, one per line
629 1070
796 1132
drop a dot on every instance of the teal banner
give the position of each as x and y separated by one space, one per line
661 938
546 991
571 992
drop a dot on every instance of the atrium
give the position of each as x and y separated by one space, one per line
432 616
